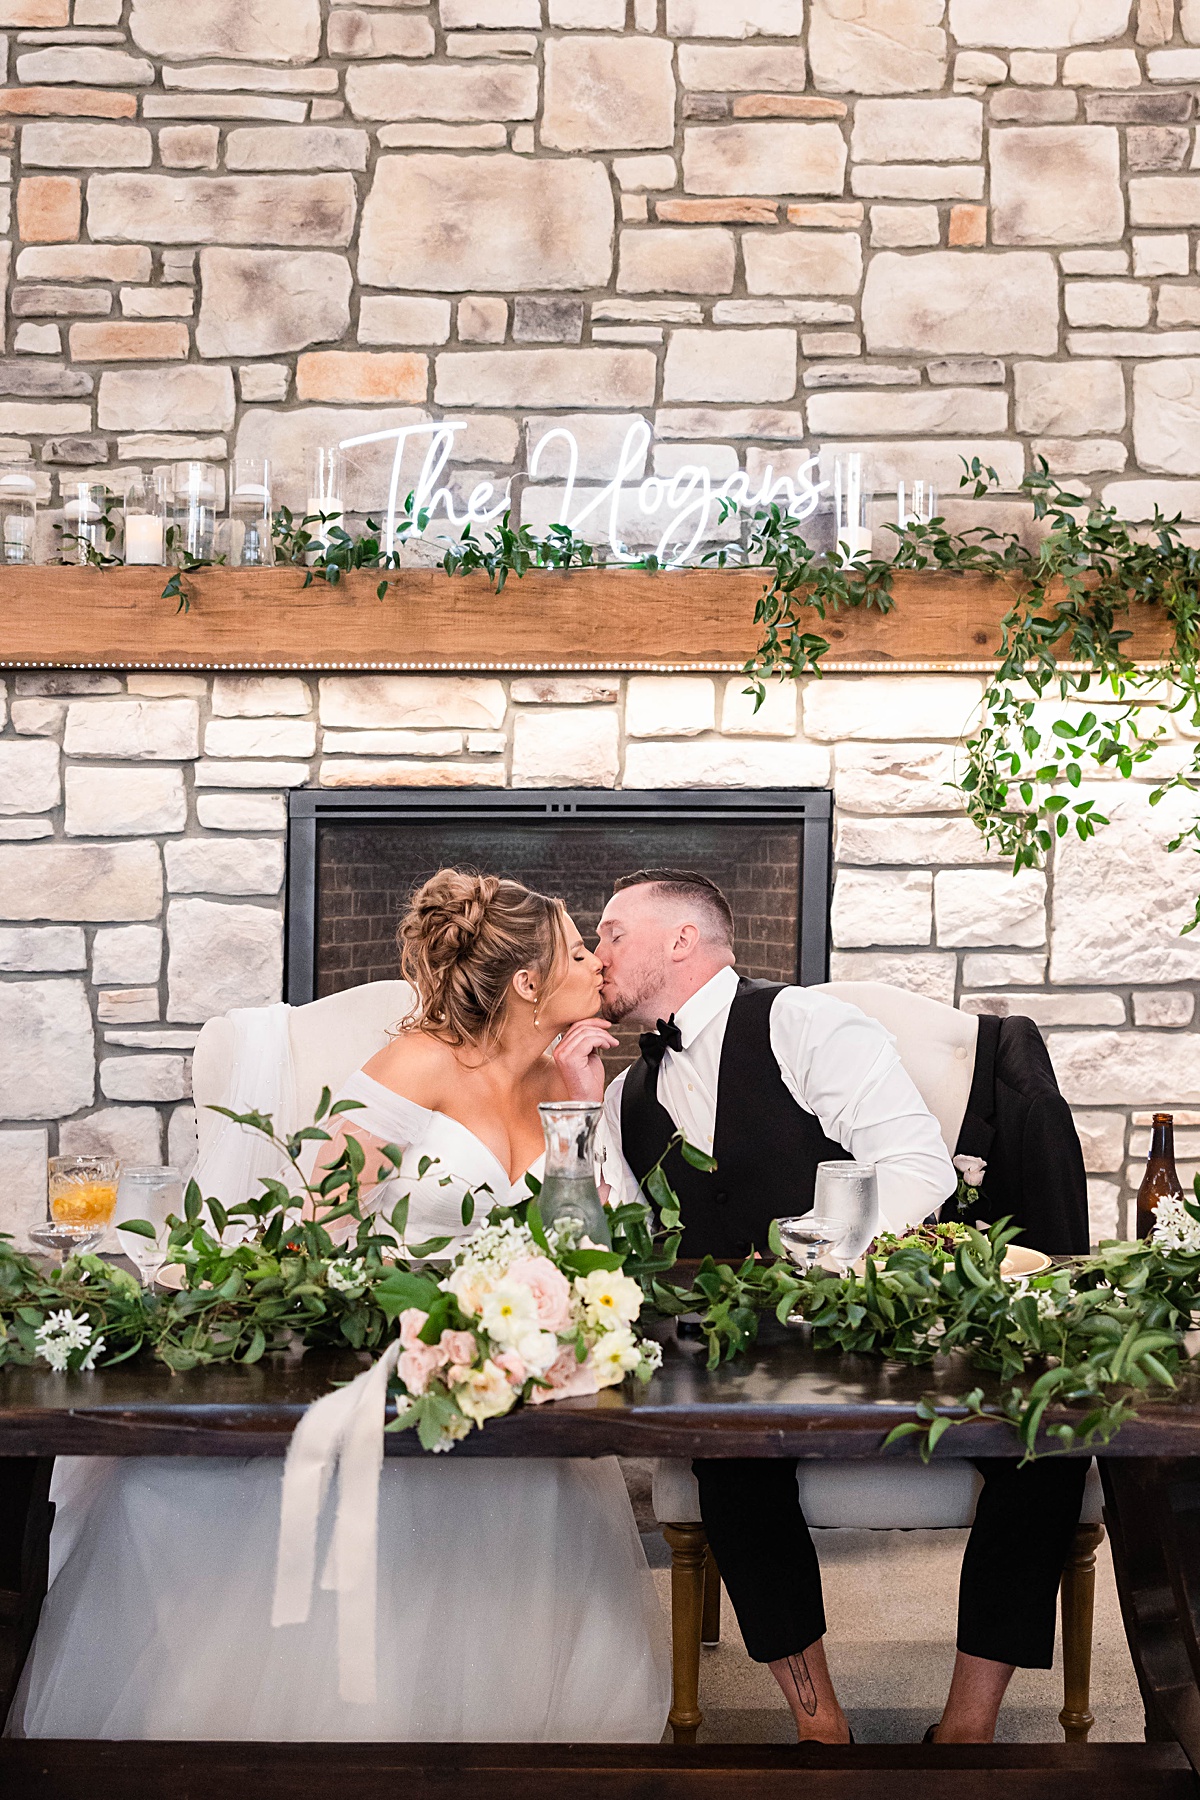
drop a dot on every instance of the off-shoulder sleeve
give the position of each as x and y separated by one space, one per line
385 1115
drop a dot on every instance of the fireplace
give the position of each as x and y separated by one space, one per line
355 855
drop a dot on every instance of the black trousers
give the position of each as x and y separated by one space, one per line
1008 1588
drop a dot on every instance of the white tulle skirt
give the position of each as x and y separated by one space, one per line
515 1604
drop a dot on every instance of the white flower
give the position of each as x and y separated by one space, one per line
537 1350
469 1285
609 1296
971 1168
1175 1228
614 1355
346 1276
485 1393
60 1334
509 1313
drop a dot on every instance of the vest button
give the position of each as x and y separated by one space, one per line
720 1199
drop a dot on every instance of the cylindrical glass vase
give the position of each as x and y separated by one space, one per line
147 514
852 501
326 491
92 523
570 1200
916 503
196 503
247 532
18 511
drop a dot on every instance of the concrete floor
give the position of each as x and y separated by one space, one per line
891 1598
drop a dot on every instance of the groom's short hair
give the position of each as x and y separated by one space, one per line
714 914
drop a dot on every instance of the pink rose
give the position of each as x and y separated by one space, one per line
550 1289
412 1324
568 1377
513 1367
416 1366
459 1346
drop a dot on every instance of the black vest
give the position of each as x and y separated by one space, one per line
766 1146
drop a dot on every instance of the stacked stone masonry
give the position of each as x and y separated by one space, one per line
925 228
922 226
142 843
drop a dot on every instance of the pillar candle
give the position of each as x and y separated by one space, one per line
143 538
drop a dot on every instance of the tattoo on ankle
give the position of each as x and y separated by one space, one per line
806 1693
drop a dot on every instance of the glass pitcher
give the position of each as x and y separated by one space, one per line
570 1200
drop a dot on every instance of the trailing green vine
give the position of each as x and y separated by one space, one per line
1065 635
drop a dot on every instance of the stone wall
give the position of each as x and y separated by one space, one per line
923 227
142 836
926 226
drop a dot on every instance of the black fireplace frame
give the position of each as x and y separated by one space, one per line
812 808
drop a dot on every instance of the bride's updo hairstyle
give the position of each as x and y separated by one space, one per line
463 939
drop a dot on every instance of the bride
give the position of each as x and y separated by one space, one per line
514 1600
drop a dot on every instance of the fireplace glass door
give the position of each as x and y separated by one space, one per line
356 857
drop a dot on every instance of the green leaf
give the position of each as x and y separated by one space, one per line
697 1158
140 1228
400 1290
533 1218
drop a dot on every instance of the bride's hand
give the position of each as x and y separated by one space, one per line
577 1056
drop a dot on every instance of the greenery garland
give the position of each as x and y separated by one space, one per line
1065 633
1091 1334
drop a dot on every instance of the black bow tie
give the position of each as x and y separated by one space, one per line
655 1044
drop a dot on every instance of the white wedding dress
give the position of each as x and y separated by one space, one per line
514 1599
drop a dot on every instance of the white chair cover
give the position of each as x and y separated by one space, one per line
233 1161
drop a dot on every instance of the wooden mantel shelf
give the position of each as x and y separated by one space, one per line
587 619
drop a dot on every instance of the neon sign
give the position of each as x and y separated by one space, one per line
689 495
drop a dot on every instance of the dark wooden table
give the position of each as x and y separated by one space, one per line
781 1400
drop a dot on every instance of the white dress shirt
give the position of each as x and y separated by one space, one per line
836 1063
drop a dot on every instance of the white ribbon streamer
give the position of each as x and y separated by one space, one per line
340 1436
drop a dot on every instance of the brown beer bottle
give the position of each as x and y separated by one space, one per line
1160 1182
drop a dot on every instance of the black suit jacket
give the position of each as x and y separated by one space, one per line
1019 1123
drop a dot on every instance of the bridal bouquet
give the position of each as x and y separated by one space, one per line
520 1315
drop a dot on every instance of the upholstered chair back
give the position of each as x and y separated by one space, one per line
329 1040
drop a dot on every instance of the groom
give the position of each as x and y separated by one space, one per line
773 1080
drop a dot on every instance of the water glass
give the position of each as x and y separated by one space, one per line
150 1193
248 533
18 511
848 1193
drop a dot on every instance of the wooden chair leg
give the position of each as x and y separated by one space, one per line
1077 1598
710 1630
689 1554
